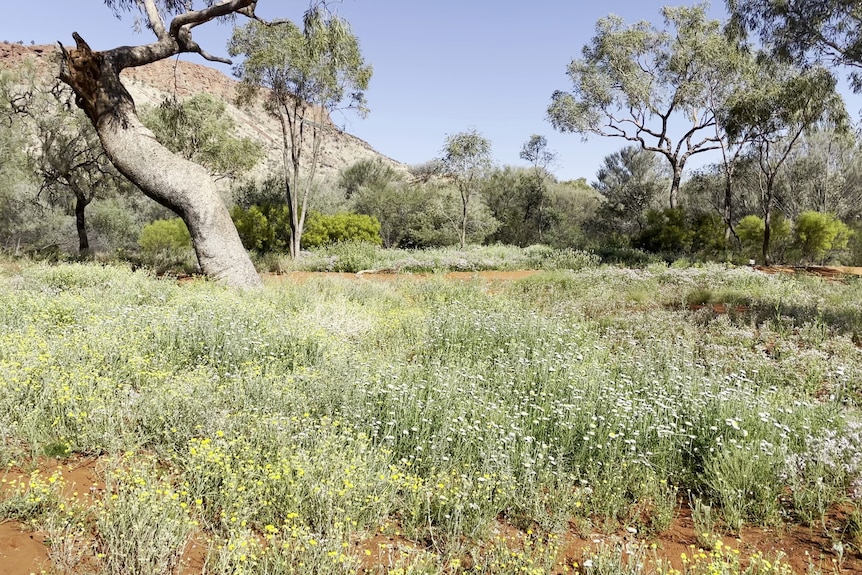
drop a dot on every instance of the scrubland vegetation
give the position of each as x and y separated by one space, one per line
287 428
562 422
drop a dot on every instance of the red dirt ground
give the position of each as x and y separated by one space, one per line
24 551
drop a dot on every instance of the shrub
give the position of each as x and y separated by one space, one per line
252 226
666 231
166 244
321 229
165 235
708 236
817 234
750 231
113 224
353 256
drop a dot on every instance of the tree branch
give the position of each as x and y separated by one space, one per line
223 8
157 25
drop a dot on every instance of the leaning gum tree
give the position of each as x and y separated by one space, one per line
181 185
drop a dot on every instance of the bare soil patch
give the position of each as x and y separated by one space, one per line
22 551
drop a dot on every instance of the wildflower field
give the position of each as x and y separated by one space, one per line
598 421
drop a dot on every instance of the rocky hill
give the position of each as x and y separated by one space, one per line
149 85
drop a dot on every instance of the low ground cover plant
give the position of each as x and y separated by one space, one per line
287 425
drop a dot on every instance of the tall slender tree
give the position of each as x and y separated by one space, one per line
308 73
466 160
535 150
774 115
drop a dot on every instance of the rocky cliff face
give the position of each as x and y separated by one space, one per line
150 85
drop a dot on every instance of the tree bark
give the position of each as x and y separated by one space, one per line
675 184
767 236
81 203
465 198
182 186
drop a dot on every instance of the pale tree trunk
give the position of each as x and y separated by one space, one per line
182 186
465 199
767 235
675 184
188 190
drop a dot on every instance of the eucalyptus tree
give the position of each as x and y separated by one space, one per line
466 161
15 177
181 185
62 148
654 87
823 174
535 150
307 74
70 160
774 114
800 30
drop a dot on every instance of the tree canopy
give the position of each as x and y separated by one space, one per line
823 29
308 72
655 87
200 129
465 159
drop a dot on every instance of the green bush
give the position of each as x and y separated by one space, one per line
666 231
750 231
708 236
817 234
166 245
165 235
321 229
263 228
353 256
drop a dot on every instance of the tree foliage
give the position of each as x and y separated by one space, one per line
535 151
465 160
630 181
829 30
658 88
323 229
816 234
200 130
774 114
165 235
61 146
370 173
308 73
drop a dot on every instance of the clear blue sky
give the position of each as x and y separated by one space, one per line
440 66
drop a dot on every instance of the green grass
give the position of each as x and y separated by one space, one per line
312 415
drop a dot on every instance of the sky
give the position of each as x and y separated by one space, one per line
440 66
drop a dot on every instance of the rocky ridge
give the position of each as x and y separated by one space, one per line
149 85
